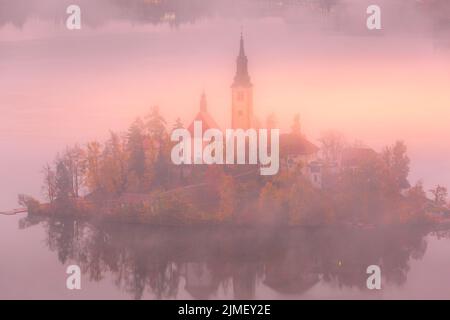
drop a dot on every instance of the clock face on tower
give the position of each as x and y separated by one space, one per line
241 108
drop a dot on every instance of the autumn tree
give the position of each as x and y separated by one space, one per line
137 156
396 163
63 181
76 165
113 170
156 126
93 163
400 164
359 191
332 146
49 187
227 192
440 194
273 198
32 205
417 200
269 199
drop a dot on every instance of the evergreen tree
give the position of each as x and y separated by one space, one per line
396 164
76 164
113 166
93 162
49 187
178 124
137 157
156 126
63 183
440 194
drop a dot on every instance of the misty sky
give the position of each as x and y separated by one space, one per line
58 87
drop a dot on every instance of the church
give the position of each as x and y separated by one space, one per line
295 149
242 116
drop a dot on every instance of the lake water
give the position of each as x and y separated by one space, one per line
139 262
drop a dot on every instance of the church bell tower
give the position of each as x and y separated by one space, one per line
242 93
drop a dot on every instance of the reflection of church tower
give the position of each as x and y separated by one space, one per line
242 93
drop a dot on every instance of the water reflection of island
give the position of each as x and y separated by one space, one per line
182 12
203 261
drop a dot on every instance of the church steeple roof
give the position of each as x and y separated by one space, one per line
241 46
203 103
242 78
207 120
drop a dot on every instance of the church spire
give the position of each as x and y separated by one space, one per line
242 77
242 93
203 104
241 46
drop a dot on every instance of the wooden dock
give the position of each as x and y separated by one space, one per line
13 212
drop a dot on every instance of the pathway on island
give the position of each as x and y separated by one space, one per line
192 186
188 188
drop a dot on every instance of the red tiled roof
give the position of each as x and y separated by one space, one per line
207 122
355 156
294 144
